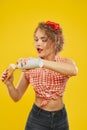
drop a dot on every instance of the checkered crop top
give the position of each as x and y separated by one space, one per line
47 83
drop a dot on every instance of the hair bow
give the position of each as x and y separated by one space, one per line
55 26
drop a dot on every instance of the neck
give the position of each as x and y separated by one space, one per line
50 58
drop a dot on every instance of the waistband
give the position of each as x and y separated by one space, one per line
45 112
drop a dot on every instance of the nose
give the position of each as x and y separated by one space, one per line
39 42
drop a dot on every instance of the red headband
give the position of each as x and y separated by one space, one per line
55 26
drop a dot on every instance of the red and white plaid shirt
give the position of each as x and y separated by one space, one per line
47 83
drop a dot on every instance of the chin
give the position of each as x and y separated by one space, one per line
41 56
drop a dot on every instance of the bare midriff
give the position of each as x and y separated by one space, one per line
52 105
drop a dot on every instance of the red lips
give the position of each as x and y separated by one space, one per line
39 50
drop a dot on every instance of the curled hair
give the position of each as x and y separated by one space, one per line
54 35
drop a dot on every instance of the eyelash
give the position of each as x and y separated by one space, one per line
42 40
35 39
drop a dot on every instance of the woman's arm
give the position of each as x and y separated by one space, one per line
69 67
15 92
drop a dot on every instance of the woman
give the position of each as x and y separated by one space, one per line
48 74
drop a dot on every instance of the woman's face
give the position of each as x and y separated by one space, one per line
44 46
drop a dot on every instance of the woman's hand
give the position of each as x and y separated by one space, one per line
6 78
22 61
29 63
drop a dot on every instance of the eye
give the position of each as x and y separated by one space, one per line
44 40
35 39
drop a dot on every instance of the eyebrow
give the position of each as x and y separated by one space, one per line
41 37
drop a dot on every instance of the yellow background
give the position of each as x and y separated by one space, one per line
18 20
